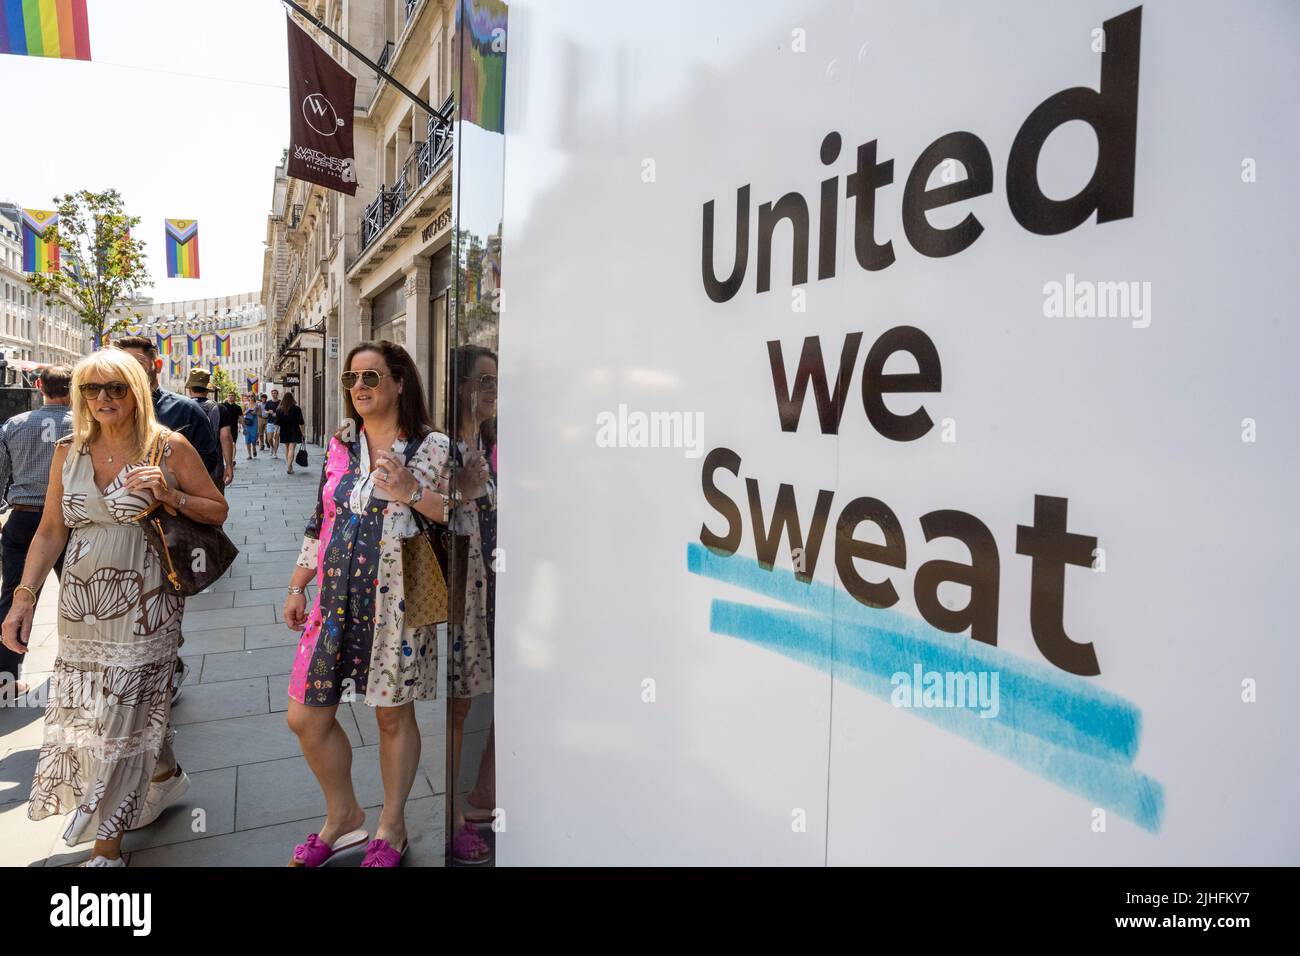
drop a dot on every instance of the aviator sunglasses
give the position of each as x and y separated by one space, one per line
369 378
115 390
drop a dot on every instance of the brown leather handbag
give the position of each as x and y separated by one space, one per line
192 555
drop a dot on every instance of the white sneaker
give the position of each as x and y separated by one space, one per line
104 861
162 794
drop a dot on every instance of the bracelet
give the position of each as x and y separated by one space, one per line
30 590
297 590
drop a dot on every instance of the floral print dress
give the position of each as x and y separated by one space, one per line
108 718
472 638
355 644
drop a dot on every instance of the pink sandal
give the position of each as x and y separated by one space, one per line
479 815
315 852
381 853
468 848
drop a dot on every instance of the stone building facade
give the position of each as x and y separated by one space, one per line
342 269
35 329
242 316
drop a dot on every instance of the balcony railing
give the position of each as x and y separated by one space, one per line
374 217
293 283
418 169
385 55
410 7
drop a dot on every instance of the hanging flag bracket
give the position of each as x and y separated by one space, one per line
444 121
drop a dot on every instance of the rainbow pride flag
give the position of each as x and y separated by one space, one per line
57 28
165 345
182 249
480 83
39 254
252 384
223 345
195 345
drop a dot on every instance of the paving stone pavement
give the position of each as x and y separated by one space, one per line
253 796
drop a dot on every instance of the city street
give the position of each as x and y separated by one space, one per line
253 797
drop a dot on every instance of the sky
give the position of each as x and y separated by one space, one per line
183 109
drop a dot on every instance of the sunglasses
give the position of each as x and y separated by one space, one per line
487 381
369 378
114 390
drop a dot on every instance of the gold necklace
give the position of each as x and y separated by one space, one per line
110 457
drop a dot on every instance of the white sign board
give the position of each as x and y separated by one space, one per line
898 442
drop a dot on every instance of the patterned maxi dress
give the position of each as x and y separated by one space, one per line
108 719
472 638
355 643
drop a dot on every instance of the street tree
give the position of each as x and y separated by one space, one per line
222 386
102 264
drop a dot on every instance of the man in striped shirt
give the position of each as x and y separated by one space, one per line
26 450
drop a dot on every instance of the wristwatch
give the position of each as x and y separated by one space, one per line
416 496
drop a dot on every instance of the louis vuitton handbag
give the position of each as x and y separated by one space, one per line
423 584
192 555
424 575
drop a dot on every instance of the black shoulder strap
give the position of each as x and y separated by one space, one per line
413 445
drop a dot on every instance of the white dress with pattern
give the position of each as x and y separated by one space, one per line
108 719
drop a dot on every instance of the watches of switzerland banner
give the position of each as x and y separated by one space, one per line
321 95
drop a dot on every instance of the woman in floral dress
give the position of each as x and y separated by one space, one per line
474 376
356 644
107 755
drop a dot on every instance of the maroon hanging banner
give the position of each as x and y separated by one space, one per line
321 96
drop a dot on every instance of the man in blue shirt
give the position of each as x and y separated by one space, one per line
176 412
26 450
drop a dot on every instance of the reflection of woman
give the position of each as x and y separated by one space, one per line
288 416
108 739
355 641
474 372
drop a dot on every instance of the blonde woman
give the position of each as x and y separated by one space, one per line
107 756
